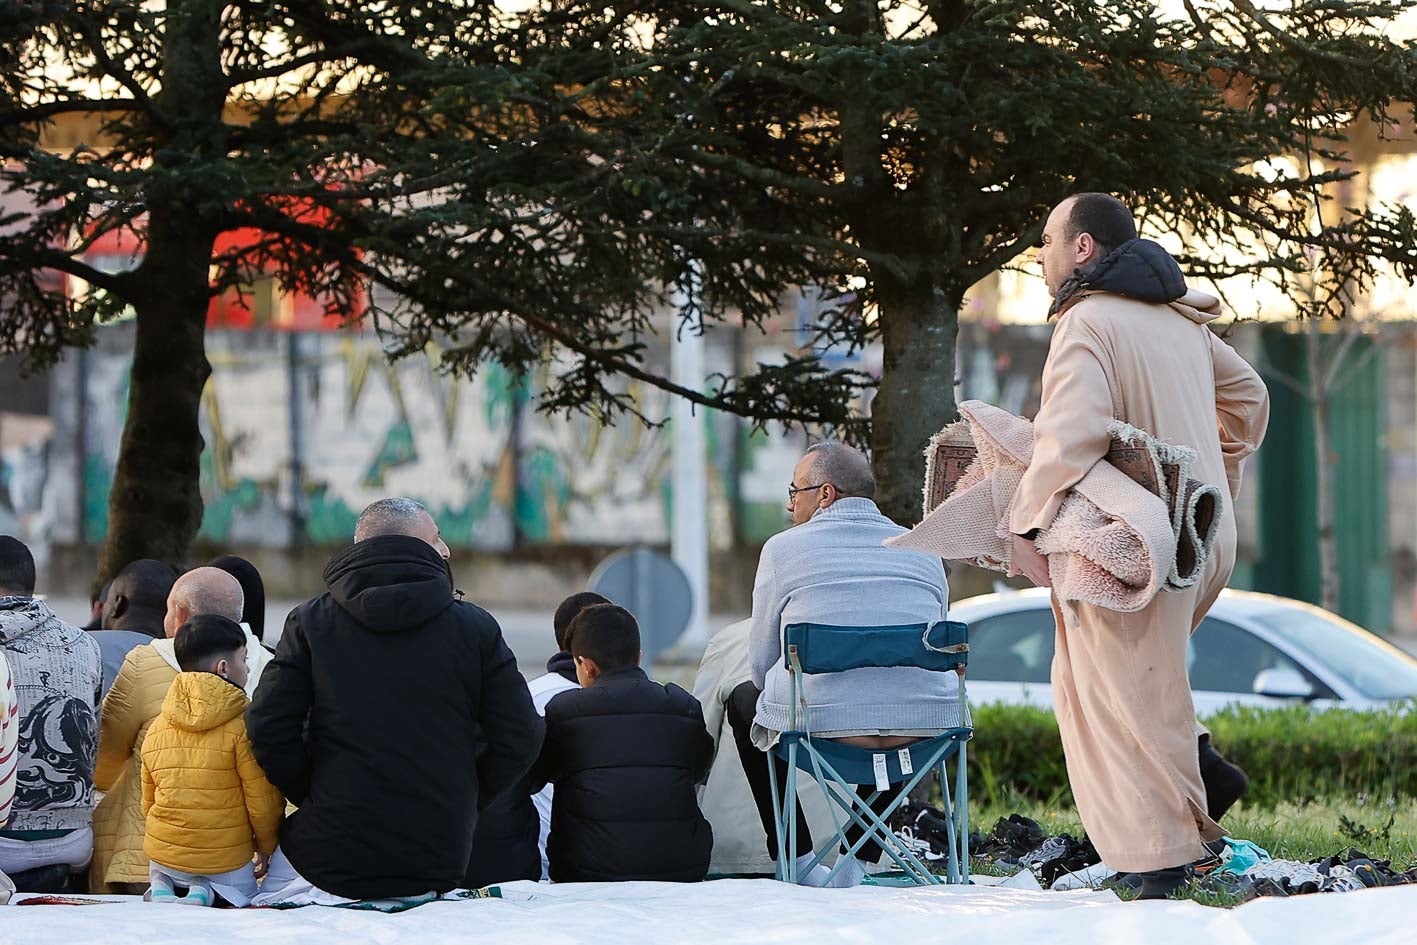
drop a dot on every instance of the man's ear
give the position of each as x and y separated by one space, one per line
117 605
1087 246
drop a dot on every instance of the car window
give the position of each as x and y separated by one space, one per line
1373 667
1222 657
1016 647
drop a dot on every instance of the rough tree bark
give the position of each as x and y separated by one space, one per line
155 506
916 396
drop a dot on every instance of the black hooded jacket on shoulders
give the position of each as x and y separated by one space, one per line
626 755
389 716
1139 269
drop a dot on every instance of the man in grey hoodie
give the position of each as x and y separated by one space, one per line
57 675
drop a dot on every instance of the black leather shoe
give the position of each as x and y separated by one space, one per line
1160 884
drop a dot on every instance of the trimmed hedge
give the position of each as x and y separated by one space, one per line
1291 754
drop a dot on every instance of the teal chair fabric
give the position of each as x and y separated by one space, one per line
837 768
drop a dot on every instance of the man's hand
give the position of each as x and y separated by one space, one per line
263 863
1026 560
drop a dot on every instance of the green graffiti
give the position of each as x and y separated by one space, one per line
666 498
398 450
459 526
328 521
98 480
542 494
505 395
221 506
331 521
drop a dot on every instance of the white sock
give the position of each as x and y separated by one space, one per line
850 874
816 876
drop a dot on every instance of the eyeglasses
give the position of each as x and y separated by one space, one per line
793 490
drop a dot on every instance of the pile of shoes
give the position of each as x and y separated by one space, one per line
1013 838
1067 857
1344 872
922 829
1231 867
1017 841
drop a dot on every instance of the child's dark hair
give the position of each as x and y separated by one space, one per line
204 638
608 635
570 608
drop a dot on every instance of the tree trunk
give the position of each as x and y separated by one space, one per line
155 506
1324 479
919 317
916 397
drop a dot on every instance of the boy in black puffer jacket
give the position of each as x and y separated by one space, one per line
625 754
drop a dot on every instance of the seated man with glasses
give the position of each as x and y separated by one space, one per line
832 568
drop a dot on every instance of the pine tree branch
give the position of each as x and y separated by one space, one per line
766 177
1293 42
88 29
32 114
547 327
244 76
115 282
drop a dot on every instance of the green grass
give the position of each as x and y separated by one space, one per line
1385 830
1291 754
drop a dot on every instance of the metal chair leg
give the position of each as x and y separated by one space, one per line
849 802
951 835
789 855
962 799
778 804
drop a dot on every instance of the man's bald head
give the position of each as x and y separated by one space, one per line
203 591
137 597
399 516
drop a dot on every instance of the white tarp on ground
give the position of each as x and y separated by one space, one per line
751 912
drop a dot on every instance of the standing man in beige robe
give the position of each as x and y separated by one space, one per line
1133 344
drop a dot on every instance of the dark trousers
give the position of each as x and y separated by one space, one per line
741 709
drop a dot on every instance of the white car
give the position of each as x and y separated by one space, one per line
1252 649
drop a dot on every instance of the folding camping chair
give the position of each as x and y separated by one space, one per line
838 769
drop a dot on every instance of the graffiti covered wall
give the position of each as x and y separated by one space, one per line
303 430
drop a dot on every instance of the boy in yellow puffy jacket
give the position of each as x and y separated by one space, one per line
208 804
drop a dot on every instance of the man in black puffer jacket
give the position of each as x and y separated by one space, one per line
626 755
390 716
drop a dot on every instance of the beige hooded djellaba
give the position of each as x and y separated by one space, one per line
1120 689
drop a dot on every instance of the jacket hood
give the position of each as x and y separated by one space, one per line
1138 269
390 583
1200 307
23 619
257 656
563 664
197 702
